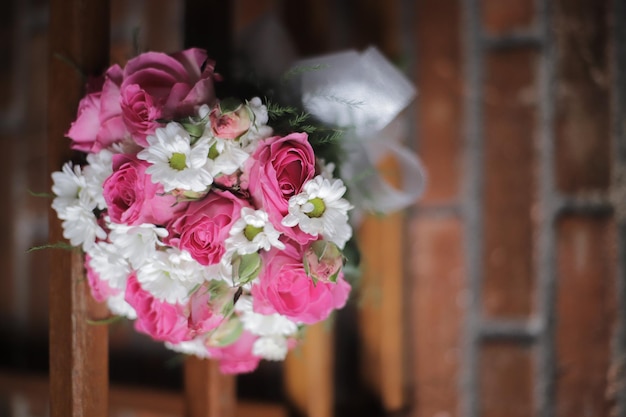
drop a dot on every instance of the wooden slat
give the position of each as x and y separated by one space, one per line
381 314
309 373
79 34
208 393
209 25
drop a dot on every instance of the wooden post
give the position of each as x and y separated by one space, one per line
79 36
209 25
208 393
309 373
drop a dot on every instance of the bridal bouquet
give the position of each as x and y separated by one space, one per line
218 234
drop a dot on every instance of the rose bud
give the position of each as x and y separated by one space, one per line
230 119
323 261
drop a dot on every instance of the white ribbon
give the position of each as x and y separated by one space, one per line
364 94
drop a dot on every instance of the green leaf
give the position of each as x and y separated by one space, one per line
45 195
58 245
227 333
106 321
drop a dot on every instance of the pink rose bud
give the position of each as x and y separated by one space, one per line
230 119
323 261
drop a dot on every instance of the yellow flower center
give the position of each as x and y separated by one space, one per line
178 161
318 207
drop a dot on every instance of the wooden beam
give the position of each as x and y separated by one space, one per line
78 43
208 393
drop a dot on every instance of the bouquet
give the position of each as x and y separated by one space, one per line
217 234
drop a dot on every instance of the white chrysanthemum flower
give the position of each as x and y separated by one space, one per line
138 244
259 128
253 231
190 347
320 209
106 261
263 324
80 226
69 185
271 348
98 170
171 275
227 156
118 306
175 162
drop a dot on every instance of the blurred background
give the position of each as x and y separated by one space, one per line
501 292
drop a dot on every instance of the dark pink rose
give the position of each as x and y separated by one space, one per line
277 171
100 289
203 227
157 85
284 287
99 120
132 198
158 319
139 113
237 358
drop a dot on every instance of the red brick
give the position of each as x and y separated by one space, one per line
439 103
586 314
437 276
501 16
509 183
582 107
506 370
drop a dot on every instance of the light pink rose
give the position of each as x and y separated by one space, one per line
203 314
158 85
237 358
158 319
203 227
284 287
131 196
100 289
277 171
232 124
99 120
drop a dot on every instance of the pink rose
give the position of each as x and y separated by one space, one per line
237 358
230 124
99 120
284 287
203 227
277 171
158 319
158 85
132 198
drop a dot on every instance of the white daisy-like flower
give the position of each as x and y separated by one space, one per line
271 348
98 170
251 232
320 209
227 156
118 306
138 244
171 275
263 324
69 185
273 329
105 260
190 347
175 162
80 226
